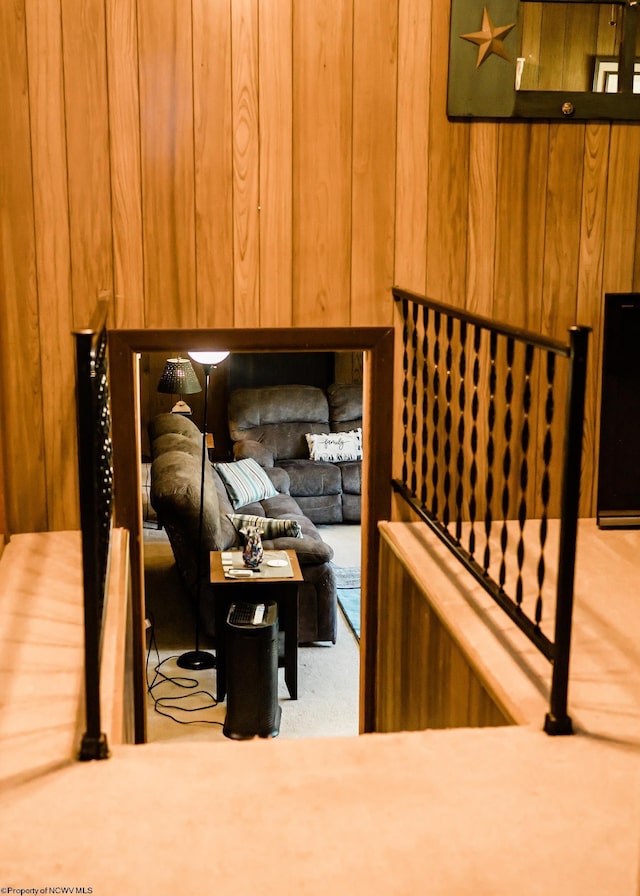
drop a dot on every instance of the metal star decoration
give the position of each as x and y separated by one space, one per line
490 39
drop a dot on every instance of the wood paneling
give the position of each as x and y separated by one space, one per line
275 163
374 115
86 124
21 412
124 147
447 159
51 231
322 155
276 153
412 150
213 132
424 678
246 181
166 132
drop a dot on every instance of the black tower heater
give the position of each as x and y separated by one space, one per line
252 671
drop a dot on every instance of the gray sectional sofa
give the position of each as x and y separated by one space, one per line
176 449
271 424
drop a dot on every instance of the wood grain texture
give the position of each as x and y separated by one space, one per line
448 157
482 203
87 134
166 122
178 119
520 224
213 151
622 208
276 160
562 233
374 115
425 679
246 175
49 160
412 150
21 413
124 149
590 304
322 150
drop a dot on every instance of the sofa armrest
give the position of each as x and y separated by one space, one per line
250 448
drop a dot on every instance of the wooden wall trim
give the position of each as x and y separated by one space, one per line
377 346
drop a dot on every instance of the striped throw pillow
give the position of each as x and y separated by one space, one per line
269 527
245 481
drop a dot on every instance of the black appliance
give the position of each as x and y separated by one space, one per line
252 671
618 500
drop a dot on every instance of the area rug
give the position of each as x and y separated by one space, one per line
348 588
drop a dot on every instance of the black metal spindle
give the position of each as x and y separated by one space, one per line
94 480
448 423
435 414
473 468
524 469
558 720
405 390
491 422
462 369
414 401
425 405
445 432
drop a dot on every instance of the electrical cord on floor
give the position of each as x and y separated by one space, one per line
162 704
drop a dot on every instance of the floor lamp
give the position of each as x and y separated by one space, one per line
201 659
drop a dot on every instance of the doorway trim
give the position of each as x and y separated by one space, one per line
377 346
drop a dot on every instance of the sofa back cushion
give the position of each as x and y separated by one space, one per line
345 406
279 417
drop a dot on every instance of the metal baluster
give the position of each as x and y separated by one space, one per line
448 418
405 389
414 402
491 422
545 486
425 404
462 367
506 460
524 468
473 469
435 414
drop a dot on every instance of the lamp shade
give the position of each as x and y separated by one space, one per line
210 359
179 378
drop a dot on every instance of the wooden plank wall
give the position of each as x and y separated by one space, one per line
424 677
259 163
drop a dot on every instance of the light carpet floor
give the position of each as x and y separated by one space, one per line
328 676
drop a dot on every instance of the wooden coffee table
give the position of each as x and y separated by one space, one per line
278 584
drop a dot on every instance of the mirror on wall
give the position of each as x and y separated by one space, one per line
544 59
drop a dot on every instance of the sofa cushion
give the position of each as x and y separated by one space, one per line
311 477
345 406
278 417
322 509
245 481
351 473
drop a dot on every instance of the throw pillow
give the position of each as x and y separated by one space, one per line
245 481
269 527
335 446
